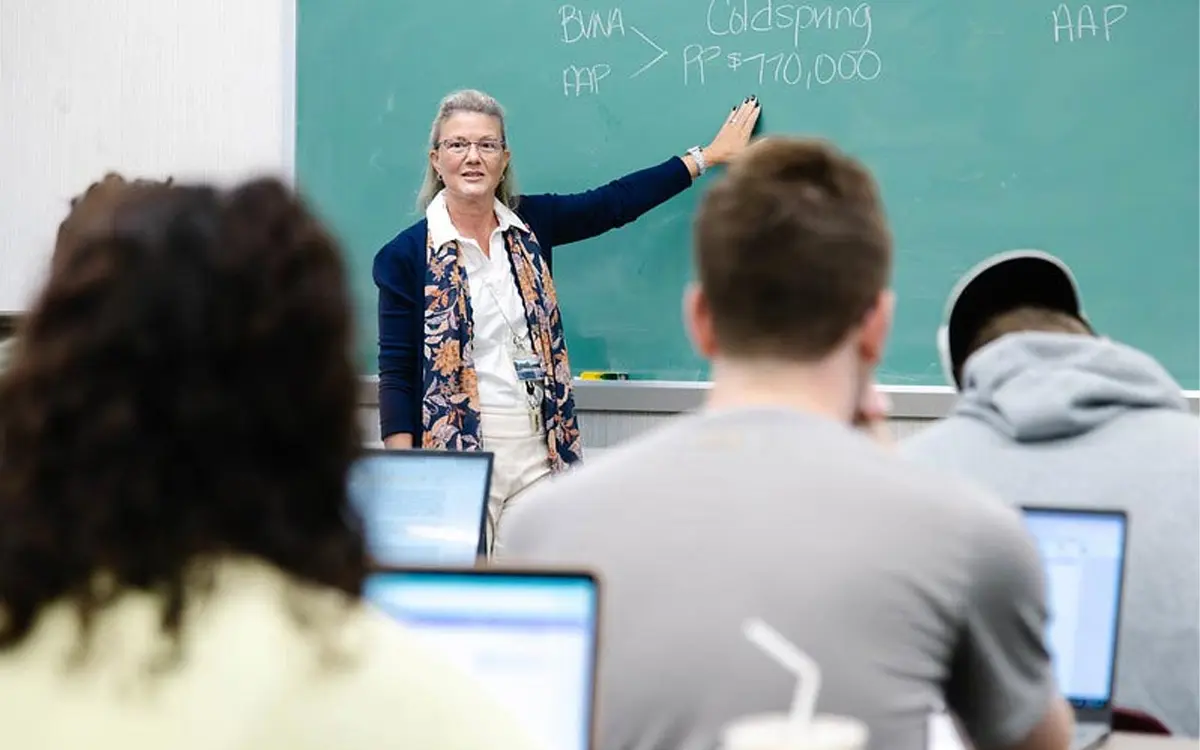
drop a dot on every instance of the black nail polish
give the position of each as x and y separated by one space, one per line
745 100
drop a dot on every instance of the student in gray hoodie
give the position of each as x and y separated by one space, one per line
1052 415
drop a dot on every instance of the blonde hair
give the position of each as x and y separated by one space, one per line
466 100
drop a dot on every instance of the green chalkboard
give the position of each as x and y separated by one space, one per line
991 125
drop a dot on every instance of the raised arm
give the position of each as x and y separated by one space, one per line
397 272
580 216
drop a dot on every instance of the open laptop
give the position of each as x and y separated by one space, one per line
422 507
530 637
1084 554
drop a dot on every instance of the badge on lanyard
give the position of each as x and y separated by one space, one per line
528 366
532 374
529 369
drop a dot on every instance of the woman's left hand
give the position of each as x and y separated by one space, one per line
735 133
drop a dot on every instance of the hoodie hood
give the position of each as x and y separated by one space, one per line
1045 386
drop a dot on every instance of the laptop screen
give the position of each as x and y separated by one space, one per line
421 507
1083 552
528 638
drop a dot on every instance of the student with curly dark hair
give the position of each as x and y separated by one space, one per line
179 565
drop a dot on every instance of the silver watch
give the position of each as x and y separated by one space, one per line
698 155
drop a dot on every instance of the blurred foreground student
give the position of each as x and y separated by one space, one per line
179 567
1052 414
912 592
6 345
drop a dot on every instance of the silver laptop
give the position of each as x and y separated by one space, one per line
422 507
1084 554
528 636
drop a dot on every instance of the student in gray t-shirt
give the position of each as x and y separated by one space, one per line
912 591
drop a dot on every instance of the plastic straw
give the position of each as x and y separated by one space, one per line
808 674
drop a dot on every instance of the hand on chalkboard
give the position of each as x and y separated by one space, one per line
735 132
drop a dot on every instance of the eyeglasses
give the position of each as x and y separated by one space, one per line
460 146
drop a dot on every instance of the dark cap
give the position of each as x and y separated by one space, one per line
1003 282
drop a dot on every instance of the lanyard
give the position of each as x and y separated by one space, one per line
523 357
521 345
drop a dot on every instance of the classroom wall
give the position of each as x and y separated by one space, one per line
611 413
605 429
190 88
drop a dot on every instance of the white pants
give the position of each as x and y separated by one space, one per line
521 459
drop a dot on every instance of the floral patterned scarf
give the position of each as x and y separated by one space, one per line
450 404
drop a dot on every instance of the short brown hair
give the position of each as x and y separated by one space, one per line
1026 318
792 249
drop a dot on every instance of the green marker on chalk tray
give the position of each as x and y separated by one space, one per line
601 375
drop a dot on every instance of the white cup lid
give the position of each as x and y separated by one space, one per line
774 732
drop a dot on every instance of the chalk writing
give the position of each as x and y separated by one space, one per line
576 25
695 57
793 69
584 79
734 17
1075 25
661 52
852 59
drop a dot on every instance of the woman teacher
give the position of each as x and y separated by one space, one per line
471 348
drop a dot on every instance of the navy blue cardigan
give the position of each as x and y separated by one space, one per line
399 272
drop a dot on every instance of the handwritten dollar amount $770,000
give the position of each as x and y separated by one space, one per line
790 68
